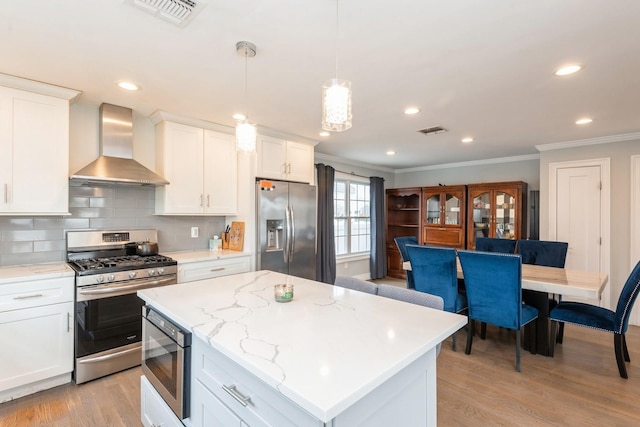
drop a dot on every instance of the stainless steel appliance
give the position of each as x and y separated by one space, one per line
108 320
286 218
166 355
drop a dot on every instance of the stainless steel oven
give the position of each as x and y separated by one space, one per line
166 355
108 311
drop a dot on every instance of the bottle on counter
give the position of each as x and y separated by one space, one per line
215 243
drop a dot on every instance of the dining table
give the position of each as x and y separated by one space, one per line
538 282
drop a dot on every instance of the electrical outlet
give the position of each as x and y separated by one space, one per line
195 232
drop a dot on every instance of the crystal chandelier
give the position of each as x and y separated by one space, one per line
245 131
336 98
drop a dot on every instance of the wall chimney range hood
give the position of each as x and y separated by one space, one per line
116 164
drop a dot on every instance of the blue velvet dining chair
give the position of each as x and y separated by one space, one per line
435 272
494 293
412 296
490 244
602 319
549 254
401 243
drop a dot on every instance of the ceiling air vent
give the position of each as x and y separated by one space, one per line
178 12
432 130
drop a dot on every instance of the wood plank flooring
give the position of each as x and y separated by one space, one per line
580 386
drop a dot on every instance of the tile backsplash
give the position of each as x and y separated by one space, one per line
32 240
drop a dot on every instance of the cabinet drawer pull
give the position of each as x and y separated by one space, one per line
29 296
236 395
68 322
218 269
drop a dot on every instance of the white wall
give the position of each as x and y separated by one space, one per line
497 170
620 154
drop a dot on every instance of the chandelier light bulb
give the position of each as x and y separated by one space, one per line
336 105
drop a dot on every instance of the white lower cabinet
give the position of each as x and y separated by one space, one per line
154 412
228 391
188 272
36 323
208 410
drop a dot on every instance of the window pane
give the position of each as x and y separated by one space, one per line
351 211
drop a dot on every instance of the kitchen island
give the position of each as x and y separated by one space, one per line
331 356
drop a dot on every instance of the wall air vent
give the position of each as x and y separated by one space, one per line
178 12
432 130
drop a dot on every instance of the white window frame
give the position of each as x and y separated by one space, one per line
339 176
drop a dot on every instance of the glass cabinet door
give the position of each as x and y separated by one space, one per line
433 209
482 215
505 215
452 209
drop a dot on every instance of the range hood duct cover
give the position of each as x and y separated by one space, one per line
116 164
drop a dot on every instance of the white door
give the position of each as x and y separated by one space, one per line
577 209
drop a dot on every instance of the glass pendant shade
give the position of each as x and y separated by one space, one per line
245 136
336 105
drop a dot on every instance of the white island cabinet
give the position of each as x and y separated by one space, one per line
36 323
330 357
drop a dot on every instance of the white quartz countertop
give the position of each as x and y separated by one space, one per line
324 350
24 273
206 255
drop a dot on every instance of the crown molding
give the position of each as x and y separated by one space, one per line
472 163
341 160
588 141
38 87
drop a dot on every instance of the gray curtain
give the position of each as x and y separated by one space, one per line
378 258
326 252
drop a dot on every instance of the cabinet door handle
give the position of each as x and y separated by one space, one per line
207 200
6 193
28 296
68 322
217 269
289 168
201 198
236 395
284 168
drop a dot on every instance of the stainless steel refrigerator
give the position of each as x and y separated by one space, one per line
286 218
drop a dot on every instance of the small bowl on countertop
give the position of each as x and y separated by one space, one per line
283 292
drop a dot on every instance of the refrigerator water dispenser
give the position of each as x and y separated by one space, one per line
275 239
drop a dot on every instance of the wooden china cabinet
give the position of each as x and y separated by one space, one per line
497 210
403 219
444 213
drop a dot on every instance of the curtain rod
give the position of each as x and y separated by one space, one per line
351 173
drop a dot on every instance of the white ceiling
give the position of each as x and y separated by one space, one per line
478 68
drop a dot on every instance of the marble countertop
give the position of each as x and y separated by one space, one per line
324 350
206 255
24 273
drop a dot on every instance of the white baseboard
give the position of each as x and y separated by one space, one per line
28 389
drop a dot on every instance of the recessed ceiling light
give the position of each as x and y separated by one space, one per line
409 111
584 121
569 69
324 133
467 140
391 153
239 116
128 86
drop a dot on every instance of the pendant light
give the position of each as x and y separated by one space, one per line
336 98
245 131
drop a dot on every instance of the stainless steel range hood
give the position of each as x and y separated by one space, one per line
116 164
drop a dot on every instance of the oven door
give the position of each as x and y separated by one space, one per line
166 365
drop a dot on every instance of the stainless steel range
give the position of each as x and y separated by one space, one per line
108 312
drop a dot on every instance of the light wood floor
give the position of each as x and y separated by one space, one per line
580 386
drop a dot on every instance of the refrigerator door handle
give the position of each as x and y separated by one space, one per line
287 231
292 234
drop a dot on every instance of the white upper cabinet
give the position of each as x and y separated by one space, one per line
34 148
201 167
288 160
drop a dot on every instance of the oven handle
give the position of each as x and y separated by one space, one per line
109 356
113 289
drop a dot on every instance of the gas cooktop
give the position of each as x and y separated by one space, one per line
119 263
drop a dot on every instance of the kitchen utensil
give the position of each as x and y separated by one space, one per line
147 248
